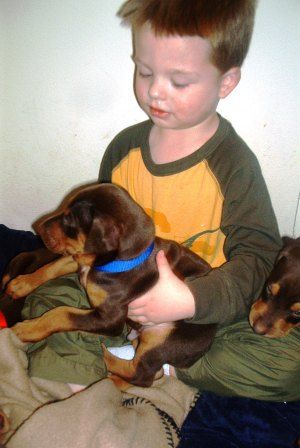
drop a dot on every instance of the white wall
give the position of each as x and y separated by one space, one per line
66 90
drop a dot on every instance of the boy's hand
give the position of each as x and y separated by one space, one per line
168 300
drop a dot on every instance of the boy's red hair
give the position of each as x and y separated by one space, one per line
226 24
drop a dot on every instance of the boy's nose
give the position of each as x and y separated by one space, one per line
157 90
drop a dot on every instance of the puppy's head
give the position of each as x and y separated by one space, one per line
102 220
277 311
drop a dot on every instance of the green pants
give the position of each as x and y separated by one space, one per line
238 363
72 357
243 363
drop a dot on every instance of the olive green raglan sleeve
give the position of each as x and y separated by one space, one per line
107 164
120 146
251 245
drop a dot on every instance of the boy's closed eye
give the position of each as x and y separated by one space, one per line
180 83
183 78
179 86
143 74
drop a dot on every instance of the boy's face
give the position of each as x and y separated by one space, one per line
175 82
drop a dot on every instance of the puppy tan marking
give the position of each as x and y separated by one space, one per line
275 288
150 338
23 285
56 320
96 294
276 312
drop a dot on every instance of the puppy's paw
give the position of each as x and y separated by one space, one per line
28 330
4 281
21 286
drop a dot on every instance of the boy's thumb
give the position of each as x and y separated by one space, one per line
162 263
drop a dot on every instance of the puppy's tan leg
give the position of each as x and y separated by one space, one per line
119 382
23 285
5 279
62 318
117 366
145 366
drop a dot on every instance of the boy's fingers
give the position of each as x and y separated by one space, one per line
161 260
140 318
136 304
163 266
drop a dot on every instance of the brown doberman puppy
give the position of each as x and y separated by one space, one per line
109 239
277 312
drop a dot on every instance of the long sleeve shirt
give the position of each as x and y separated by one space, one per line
214 201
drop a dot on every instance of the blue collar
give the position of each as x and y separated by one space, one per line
126 265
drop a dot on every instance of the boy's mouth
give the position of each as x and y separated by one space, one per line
158 112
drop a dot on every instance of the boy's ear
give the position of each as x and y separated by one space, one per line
230 80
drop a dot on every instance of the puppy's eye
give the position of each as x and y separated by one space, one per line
67 220
295 313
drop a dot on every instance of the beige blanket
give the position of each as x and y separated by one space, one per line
43 413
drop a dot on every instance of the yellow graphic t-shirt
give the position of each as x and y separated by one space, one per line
196 226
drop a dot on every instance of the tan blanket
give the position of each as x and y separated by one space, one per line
42 412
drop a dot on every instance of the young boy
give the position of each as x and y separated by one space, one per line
203 187
188 150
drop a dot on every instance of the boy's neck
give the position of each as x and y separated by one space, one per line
169 145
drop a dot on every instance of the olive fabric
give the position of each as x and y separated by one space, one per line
242 363
73 357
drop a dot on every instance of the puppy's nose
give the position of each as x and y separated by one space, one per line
259 327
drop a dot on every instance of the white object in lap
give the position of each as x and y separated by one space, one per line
127 352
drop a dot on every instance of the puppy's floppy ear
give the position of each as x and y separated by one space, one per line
104 235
